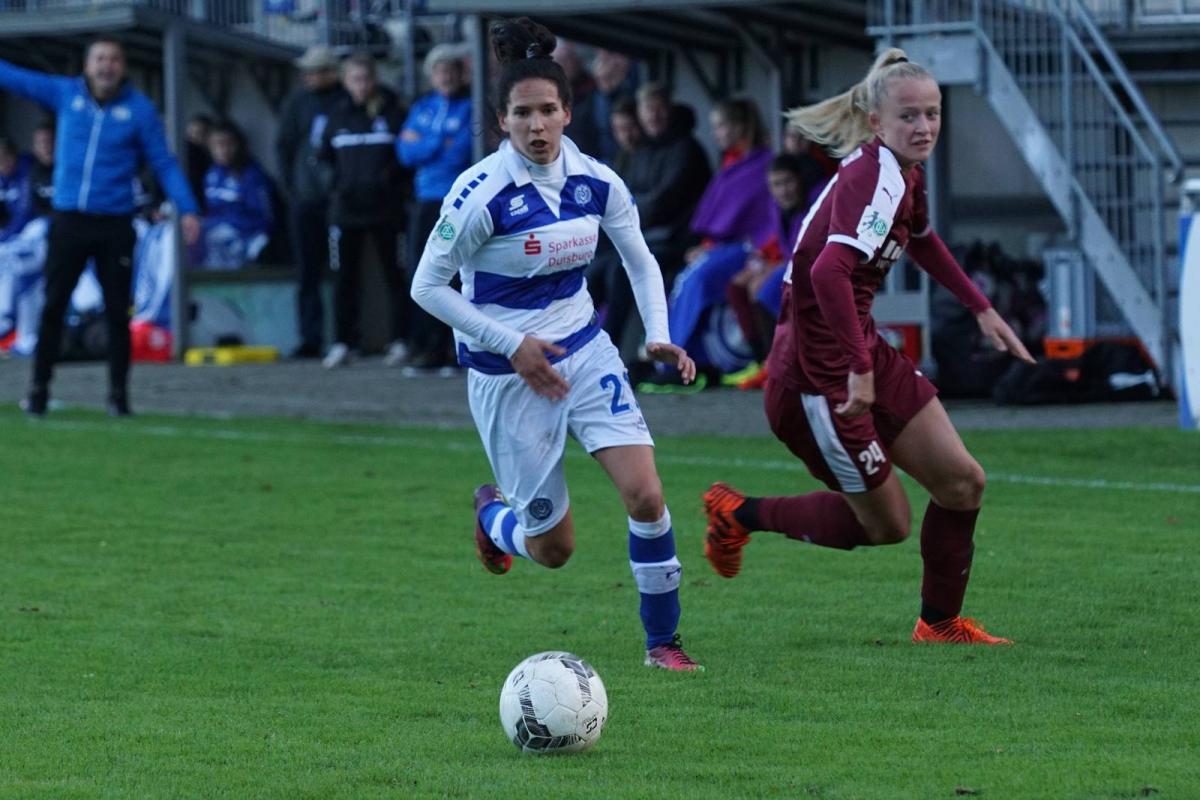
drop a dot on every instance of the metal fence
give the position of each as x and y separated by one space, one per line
1115 149
340 23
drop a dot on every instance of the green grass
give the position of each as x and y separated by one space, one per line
260 608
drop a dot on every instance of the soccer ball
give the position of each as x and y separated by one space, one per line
553 702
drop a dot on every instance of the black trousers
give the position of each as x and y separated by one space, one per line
309 230
72 240
346 255
432 339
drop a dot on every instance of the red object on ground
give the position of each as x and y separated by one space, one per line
149 342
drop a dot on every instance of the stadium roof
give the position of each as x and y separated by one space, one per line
648 26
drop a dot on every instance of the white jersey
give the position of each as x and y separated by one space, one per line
519 236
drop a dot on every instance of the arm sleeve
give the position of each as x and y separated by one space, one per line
165 166
458 145
931 253
621 223
835 297
415 153
454 240
36 86
865 200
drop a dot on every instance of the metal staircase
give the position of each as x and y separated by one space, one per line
1081 124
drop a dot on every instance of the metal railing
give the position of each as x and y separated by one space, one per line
340 23
1116 151
1129 14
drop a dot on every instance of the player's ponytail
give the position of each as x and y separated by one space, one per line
523 49
840 123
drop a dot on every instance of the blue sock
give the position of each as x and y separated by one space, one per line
656 571
500 523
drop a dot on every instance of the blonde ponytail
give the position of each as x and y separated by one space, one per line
840 123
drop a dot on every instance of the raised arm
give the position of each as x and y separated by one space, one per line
36 86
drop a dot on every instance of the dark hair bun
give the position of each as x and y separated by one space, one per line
521 38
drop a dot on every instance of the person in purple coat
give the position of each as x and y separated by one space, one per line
734 217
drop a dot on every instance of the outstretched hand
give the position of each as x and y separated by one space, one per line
673 354
531 364
998 332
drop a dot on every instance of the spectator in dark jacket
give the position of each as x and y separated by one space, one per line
436 142
198 157
43 168
306 183
367 203
107 130
667 173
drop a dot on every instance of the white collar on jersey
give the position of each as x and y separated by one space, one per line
573 161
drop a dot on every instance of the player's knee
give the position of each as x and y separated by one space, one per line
964 491
645 502
555 554
891 530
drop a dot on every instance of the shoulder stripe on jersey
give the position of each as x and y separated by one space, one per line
537 292
808 218
474 183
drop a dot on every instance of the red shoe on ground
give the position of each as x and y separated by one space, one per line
956 630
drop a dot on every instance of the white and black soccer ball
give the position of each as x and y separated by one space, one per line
553 702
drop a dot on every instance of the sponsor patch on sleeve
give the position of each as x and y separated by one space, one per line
873 227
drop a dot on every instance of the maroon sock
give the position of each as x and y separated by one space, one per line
821 518
946 548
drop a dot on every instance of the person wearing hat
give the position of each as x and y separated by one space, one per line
436 143
306 182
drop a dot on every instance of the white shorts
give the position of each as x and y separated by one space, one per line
525 435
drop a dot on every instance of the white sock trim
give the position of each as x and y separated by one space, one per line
651 530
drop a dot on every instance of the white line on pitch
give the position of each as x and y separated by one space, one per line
174 431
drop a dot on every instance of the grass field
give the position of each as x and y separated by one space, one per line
277 609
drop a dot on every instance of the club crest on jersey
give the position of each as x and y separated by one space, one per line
533 246
122 113
380 125
517 206
583 193
541 508
873 227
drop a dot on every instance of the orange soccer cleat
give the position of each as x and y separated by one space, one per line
494 560
725 536
956 630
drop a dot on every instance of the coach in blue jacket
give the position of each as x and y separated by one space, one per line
106 129
436 142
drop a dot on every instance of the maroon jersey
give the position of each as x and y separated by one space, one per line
874 208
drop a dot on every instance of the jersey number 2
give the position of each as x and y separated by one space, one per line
871 458
612 382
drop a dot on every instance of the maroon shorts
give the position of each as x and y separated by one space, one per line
849 455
